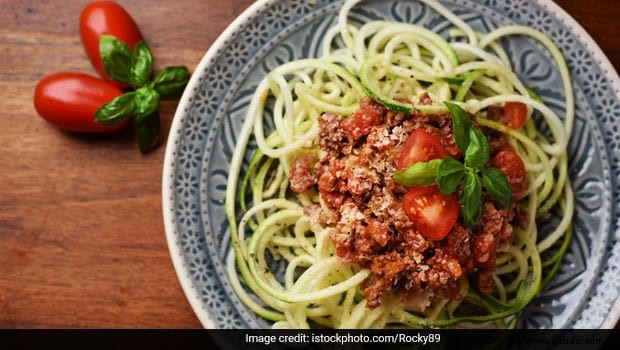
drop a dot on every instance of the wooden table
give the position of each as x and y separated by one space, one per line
81 235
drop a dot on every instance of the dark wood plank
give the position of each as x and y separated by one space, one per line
81 226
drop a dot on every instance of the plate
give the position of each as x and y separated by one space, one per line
584 293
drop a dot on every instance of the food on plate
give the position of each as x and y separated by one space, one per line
397 181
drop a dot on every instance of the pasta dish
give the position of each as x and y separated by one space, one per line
397 181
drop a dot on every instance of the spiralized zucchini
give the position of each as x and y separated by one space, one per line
283 265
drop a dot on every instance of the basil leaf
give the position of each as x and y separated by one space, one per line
477 153
461 124
498 186
116 58
449 175
147 101
141 65
471 206
418 174
116 111
170 82
146 131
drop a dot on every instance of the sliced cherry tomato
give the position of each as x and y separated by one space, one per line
515 114
421 146
432 213
69 100
360 124
510 163
109 18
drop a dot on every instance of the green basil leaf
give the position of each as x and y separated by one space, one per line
449 175
147 102
418 174
498 186
170 82
477 153
116 58
471 206
141 65
146 131
118 110
461 124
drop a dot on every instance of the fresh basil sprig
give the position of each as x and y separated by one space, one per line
141 103
476 148
473 173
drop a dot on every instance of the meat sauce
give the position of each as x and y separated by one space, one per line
353 175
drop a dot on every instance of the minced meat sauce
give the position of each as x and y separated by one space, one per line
353 174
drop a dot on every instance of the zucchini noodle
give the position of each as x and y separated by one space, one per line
283 265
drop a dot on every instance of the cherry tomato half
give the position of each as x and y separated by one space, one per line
360 124
516 114
432 213
510 163
69 100
421 146
109 18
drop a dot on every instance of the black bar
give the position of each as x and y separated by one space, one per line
310 339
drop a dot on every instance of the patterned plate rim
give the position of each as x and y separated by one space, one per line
212 53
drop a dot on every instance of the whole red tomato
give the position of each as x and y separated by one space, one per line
106 18
69 100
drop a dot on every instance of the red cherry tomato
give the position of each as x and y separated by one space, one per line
109 18
515 114
69 100
421 146
360 124
432 213
510 163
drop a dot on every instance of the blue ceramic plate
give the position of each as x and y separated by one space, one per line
584 294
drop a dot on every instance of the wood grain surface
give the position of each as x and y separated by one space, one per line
82 242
